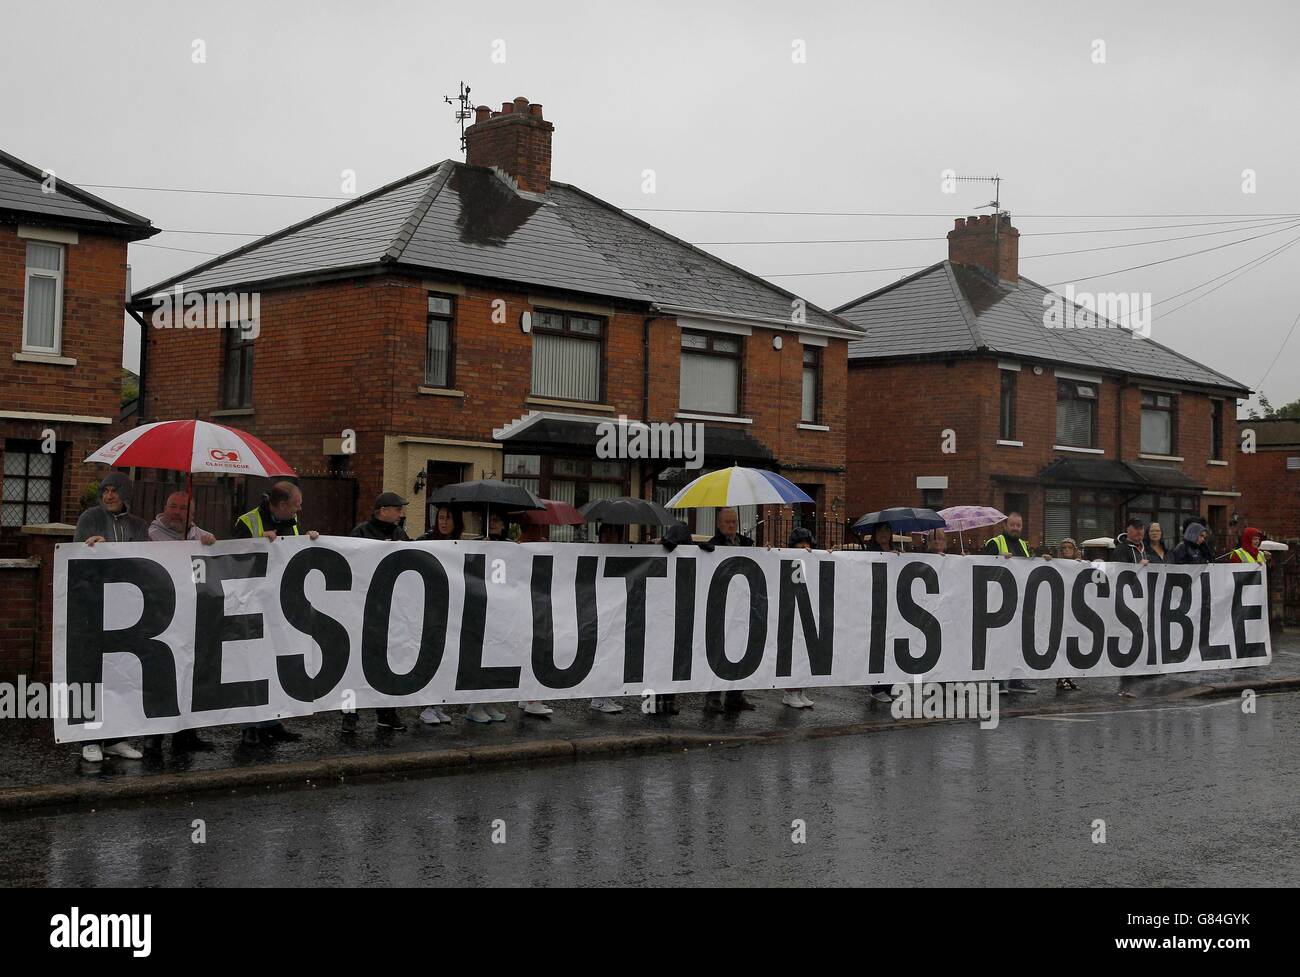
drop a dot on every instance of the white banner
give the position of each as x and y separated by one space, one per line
184 635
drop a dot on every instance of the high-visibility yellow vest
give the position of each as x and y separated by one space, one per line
253 520
1243 556
1001 541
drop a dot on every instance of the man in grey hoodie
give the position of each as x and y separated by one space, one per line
111 522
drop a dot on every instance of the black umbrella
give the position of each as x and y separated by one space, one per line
904 520
486 493
628 511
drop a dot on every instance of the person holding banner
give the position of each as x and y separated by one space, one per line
1008 544
446 526
728 534
176 524
1154 542
111 522
1129 545
800 539
385 524
1068 549
275 516
1193 549
1249 551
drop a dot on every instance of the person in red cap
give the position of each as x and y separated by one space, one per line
1248 551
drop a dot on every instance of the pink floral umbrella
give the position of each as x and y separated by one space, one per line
959 518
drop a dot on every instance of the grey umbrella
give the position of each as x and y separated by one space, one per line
628 511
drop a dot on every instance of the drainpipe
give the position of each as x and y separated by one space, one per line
645 387
144 359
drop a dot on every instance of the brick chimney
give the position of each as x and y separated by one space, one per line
988 241
517 139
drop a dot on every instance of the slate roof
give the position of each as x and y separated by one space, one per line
949 308
23 199
469 220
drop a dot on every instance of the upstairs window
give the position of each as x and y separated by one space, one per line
1216 430
812 373
437 355
1076 414
1007 406
237 368
567 354
1158 422
710 375
43 301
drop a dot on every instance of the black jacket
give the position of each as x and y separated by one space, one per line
1129 552
1186 552
374 528
741 540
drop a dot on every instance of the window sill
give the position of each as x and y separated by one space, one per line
1011 444
716 418
803 426
1216 462
1159 457
233 412
440 392
50 359
1082 451
576 404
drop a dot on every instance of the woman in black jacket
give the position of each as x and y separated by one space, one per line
1154 544
1193 548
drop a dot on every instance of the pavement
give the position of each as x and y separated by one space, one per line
38 772
1194 792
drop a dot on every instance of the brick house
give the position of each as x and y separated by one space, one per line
1270 478
478 319
966 391
63 289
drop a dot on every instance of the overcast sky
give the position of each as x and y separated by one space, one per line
711 97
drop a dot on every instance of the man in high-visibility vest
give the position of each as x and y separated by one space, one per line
1249 551
275 516
1008 544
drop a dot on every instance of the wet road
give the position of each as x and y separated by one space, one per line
1190 795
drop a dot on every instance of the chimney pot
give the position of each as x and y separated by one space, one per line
535 110
521 105
959 224
507 108
482 113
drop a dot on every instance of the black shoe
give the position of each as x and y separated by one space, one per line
250 737
153 744
387 719
349 722
739 703
189 741
278 734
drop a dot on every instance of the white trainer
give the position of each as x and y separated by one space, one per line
478 713
125 750
442 716
495 714
807 702
535 708
606 705
91 753
429 716
794 700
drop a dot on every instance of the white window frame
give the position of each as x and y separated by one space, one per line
28 273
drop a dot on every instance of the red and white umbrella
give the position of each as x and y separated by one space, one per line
192 446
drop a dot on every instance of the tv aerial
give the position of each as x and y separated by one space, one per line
464 112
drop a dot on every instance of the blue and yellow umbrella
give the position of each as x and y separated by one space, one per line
738 486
